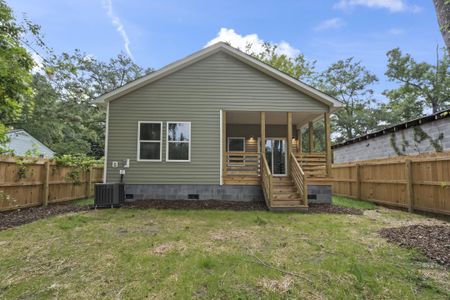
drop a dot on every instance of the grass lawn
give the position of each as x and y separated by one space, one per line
165 254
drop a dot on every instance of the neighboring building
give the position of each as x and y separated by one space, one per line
426 134
22 143
193 130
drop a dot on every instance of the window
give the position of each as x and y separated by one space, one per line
236 144
149 141
178 146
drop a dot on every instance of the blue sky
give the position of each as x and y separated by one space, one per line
156 33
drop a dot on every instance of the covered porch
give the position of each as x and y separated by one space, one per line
277 150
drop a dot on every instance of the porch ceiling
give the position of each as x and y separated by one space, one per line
273 118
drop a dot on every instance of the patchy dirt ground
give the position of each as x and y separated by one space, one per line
231 205
194 204
396 218
433 241
333 209
28 215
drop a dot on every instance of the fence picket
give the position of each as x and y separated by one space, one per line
41 182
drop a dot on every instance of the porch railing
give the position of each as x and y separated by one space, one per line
266 181
298 177
313 164
242 163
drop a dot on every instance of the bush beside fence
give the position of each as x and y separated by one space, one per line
40 182
416 183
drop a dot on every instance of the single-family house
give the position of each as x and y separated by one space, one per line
22 143
221 125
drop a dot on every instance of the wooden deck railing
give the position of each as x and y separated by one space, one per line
266 181
313 164
242 163
298 177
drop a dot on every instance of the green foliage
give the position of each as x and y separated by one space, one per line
298 67
65 118
351 203
82 202
78 164
16 64
23 162
350 82
422 85
260 221
419 136
393 141
79 161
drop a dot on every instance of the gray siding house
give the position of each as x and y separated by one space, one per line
218 124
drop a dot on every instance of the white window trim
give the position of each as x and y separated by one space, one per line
236 138
139 141
167 142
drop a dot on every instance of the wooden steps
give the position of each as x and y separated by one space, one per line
285 195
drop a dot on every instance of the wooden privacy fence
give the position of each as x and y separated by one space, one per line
415 183
41 182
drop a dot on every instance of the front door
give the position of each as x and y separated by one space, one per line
276 155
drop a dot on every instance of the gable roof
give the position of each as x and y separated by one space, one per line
239 55
20 146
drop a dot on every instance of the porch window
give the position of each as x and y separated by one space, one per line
236 144
178 148
149 141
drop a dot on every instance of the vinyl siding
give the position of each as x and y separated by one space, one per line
195 94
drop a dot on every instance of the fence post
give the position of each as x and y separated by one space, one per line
46 182
409 185
358 181
88 182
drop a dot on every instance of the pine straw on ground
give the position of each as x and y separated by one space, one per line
433 241
23 216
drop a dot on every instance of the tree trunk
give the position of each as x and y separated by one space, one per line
443 16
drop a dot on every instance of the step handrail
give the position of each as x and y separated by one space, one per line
298 177
266 180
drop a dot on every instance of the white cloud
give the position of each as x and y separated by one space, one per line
391 5
333 23
236 40
107 4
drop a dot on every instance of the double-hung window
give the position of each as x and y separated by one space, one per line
149 141
236 144
178 148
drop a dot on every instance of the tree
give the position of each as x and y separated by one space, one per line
443 16
16 64
298 67
348 81
421 84
65 118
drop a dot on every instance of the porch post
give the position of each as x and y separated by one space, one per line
289 138
263 133
327 126
299 139
224 143
311 137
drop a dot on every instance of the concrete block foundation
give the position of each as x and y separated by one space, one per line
193 192
320 194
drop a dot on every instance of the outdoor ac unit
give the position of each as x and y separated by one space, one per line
109 194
